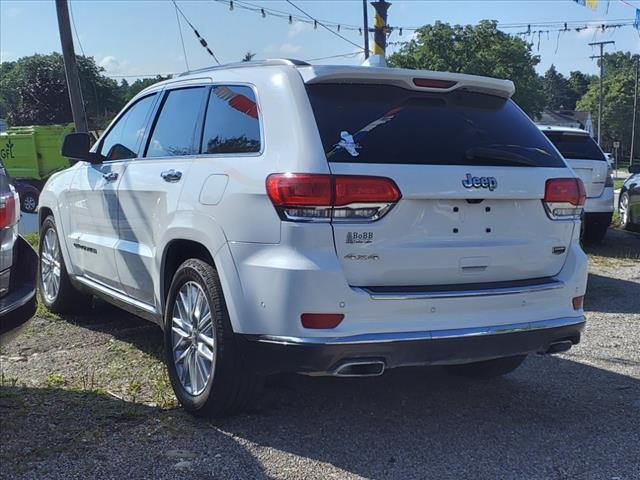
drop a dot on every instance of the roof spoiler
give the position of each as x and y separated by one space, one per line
422 80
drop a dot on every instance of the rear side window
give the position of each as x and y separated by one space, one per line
123 140
174 133
387 124
575 147
231 124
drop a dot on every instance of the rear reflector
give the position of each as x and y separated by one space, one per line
578 302
564 197
313 197
9 214
321 320
433 83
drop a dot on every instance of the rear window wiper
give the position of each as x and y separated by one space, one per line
500 155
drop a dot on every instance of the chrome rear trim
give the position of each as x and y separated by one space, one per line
423 335
478 292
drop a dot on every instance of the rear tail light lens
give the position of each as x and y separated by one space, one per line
322 197
321 320
564 198
9 213
609 181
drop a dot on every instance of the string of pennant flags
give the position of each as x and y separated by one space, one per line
532 32
593 5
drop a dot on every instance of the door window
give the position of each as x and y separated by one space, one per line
174 133
123 140
232 124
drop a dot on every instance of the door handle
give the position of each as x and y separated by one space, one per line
110 177
171 176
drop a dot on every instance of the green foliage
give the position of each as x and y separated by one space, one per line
562 93
33 91
130 91
618 90
480 50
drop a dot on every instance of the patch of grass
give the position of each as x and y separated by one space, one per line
33 238
54 380
617 183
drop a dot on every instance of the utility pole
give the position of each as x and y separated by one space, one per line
70 67
635 106
601 58
380 31
365 17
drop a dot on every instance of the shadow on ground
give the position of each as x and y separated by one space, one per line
553 418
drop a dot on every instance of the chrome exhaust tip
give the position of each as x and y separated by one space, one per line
363 368
558 347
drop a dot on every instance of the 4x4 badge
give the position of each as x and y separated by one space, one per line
480 182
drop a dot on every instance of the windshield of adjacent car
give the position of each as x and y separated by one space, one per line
576 146
389 124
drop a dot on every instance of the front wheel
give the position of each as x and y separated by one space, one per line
623 208
488 368
207 371
56 291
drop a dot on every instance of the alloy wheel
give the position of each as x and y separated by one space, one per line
50 264
193 338
624 210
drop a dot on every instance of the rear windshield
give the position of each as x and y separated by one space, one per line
581 147
387 124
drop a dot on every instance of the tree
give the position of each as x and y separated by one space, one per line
480 50
33 90
140 84
557 92
618 90
248 56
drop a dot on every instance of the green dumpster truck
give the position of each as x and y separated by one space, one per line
31 155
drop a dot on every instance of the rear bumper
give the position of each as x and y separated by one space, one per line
601 204
19 304
324 355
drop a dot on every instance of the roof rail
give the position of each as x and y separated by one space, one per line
253 63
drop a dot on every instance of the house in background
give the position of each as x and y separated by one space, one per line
567 118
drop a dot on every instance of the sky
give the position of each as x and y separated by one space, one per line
141 38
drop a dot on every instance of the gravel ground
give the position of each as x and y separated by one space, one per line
87 397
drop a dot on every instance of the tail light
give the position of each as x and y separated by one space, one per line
609 181
564 198
322 197
433 83
9 213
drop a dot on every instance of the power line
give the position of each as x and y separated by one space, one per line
324 26
184 50
202 41
73 22
350 54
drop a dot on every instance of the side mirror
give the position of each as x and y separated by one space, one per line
635 168
76 146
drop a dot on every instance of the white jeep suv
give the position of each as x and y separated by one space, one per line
329 220
591 164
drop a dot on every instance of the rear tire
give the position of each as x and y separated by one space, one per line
54 286
207 370
594 232
29 202
488 368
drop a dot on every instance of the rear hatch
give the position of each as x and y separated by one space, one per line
471 168
584 156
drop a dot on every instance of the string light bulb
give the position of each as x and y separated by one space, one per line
315 24
400 32
263 13
230 4
290 19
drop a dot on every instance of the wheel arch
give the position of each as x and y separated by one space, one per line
206 243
